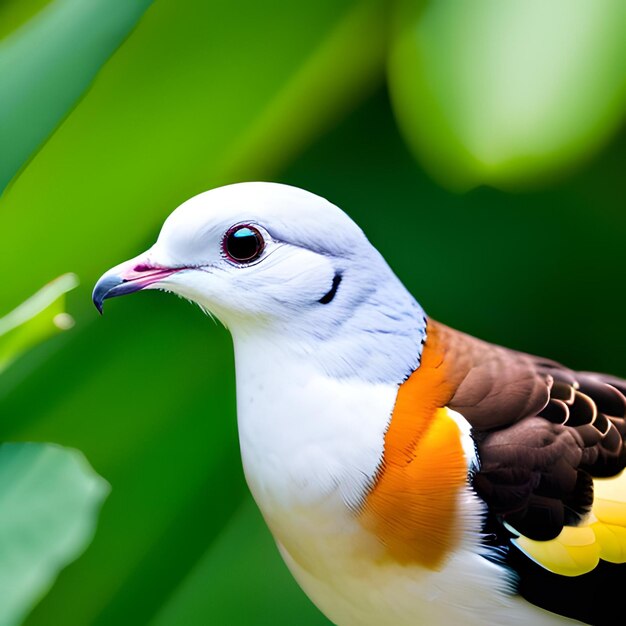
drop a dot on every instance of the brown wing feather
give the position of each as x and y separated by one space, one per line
542 431
494 386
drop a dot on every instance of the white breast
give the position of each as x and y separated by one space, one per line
305 436
310 447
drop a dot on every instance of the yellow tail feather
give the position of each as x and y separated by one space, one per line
577 550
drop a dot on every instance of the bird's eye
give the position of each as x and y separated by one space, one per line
243 243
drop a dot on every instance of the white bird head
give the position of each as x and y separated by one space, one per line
266 257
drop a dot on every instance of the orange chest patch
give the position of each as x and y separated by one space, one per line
412 507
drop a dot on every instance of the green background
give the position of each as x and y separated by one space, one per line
196 94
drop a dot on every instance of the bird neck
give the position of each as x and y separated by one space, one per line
306 436
313 407
374 335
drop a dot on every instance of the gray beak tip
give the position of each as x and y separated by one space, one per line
103 290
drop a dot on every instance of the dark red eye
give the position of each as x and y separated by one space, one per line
243 243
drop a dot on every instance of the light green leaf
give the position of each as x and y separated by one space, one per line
35 320
14 13
508 93
48 62
49 501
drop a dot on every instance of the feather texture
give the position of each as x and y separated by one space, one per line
551 444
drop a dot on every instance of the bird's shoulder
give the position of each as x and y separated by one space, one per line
551 449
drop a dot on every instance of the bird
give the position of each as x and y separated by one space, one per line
409 473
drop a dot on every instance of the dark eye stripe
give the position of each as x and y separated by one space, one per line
328 298
243 243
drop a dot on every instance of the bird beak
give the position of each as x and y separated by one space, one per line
128 277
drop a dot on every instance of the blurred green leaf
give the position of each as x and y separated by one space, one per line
507 93
40 317
148 395
199 95
209 589
49 501
49 496
48 62
14 13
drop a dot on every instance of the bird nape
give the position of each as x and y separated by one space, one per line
409 473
